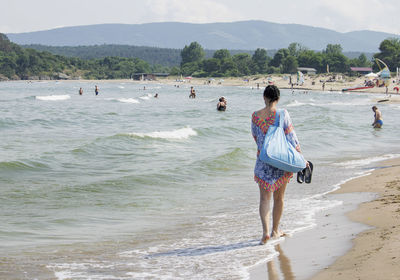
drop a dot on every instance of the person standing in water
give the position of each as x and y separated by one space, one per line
192 93
221 106
80 91
378 118
96 90
271 180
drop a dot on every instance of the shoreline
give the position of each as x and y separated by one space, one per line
312 83
357 240
374 254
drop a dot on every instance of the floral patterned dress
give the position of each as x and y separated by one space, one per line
268 177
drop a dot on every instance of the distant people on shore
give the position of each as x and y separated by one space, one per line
80 91
96 90
221 106
378 122
192 93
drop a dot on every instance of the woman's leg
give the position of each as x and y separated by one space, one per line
278 209
265 211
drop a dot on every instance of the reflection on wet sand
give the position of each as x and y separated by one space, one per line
285 267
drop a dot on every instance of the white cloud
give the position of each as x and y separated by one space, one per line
339 15
191 11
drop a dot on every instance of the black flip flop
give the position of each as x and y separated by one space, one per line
308 173
300 176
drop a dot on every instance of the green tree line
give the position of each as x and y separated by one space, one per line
20 63
285 60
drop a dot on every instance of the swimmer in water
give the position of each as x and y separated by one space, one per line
192 93
221 106
378 118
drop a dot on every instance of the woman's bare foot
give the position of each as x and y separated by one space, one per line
277 234
264 239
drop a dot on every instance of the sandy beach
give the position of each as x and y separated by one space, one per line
311 82
365 247
375 254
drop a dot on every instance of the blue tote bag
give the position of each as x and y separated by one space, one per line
277 151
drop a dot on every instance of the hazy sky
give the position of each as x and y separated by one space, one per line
340 15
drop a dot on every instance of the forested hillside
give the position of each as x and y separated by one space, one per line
19 63
154 56
26 63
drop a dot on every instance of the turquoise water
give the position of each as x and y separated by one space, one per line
127 186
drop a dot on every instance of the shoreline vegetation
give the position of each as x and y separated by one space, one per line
18 63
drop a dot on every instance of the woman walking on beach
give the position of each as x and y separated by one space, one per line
271 180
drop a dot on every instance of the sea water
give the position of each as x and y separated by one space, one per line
127 186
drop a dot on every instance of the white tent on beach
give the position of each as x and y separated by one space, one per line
371 75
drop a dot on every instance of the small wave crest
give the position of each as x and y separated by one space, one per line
20 165
128 100
296 103
52 97
365 161
145 97
182 133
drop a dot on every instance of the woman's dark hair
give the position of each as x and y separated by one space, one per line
272 93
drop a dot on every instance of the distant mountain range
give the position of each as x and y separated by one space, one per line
243 35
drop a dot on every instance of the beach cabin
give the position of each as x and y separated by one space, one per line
361 70
148 76
307 70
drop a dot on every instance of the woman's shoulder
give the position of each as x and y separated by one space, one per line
256 114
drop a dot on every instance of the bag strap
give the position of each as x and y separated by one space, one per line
279 117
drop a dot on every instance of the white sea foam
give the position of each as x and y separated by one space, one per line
296 103
53 97
121 87
312 102
365 161
128 100
182 133
146 97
